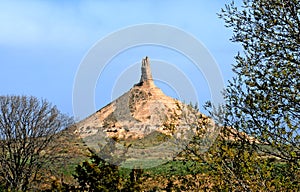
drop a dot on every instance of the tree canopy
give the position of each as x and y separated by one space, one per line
259 146
263 100
28 127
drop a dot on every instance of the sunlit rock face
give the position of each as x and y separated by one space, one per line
146 71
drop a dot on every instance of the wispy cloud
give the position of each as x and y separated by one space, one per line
73 23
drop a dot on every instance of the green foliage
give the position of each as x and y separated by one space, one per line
176 167
264 98
234 164
97 175
259 145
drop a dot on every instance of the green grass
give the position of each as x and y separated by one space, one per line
155 167
142 163
170 168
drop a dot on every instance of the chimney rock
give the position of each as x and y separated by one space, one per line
146 71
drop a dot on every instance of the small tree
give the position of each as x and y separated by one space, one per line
97 175
27 128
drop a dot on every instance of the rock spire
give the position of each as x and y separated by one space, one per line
146 71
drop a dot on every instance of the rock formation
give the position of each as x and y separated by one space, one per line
142 111
144 108
146 71
146 75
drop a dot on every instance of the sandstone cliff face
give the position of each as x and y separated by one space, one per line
140 112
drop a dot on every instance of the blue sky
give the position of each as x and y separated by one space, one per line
42 44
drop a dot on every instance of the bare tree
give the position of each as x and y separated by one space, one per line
28 127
